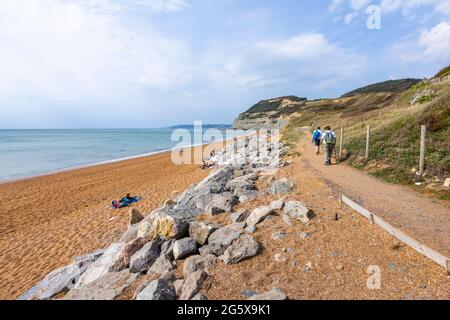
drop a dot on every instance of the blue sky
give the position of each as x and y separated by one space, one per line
153 63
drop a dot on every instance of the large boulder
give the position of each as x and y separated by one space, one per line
130 234
162 265
282 186
274 294
248 195
167 227
142 260
135 217
107 287
239 216
214 204
111 261
258 215
158 290
131 248
167 248
243 248
60 279
196 263
214 183
225 236
277 205
297 210
212 249
200 231
184 247
193 283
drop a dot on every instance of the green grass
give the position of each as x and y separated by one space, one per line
395 145
443 73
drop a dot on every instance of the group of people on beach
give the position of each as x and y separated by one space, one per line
327 139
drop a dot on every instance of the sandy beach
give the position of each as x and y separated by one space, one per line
47 220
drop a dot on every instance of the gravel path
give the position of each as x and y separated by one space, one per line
426 220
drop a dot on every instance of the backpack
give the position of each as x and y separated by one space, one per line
329 138
316 135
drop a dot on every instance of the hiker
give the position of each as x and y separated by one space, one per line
329 141
317 134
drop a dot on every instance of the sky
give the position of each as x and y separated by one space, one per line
156 63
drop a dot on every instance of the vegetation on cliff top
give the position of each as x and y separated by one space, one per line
392 86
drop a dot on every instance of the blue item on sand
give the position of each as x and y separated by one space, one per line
125 202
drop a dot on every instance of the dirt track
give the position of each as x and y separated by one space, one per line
427 220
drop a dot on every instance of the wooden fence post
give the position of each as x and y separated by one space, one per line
423 132
341 142
367 142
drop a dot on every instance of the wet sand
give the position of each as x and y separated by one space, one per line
47 220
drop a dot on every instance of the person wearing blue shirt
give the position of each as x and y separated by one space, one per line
317 134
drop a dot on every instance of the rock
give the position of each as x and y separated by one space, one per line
307 267
282 186
169 203
279 257
258 215
278 235
60 279
239 216
277 205
167 248
214 249
447 183
130 234
145 229
168 227
243 248
274 294
135 217
251 229
107 287
214 204
161 265
225 236
183 248
196 263
169 276
200 231
249 293
110 261
131 248
193 283
200 297
243 182
391 266
287 220
304 235
297 210
142 260
178 284
157 290
248 195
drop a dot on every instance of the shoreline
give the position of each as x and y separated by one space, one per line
51 218
106 162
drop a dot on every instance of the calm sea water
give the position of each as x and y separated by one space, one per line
26 153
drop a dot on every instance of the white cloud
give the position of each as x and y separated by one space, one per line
436 42
408 7
164 5
428 47
307 61
359 4
57 49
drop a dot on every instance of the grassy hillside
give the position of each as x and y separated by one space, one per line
395 120
443 73
393 86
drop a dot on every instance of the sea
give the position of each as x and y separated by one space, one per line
28 153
